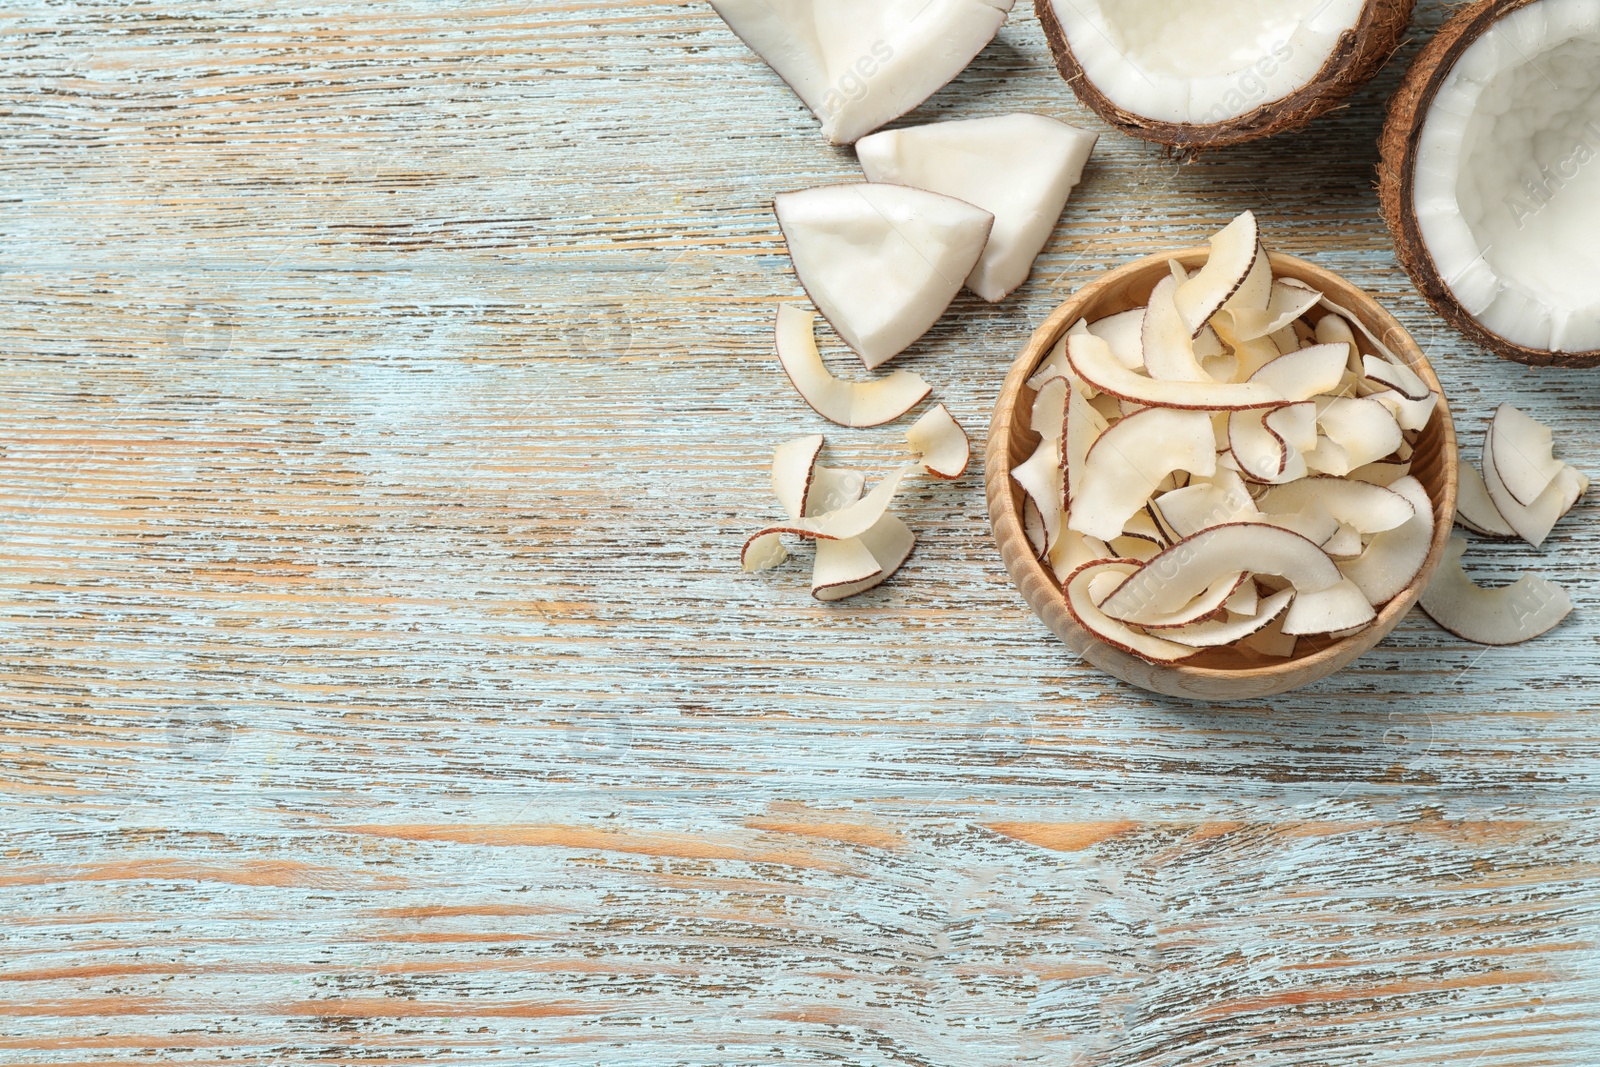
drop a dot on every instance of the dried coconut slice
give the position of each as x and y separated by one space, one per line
1246 600
1364 430
939 441
1475 510
1340 607
1384 473
1072 550
1033 527
1109 630
1128 462
1305 372
1410 414
1346 543
1234 250
1201 505
842 563
1397 376
1055 364
1236 627
1124 332
1020 167
1368 508
1092 360
1508 615
793 464
847 403
1049 408
1255 292
1184 571
1267 444
1166 340
859 66
1083 427
1522 451
841 525
1271 641
1289 299
881 262
1130 547
1534 522
832 488
1208 605
1393 558
889 542
1041 478
763 552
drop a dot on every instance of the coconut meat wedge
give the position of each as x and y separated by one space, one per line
1490 177
1513 613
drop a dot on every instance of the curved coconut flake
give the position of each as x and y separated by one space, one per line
832 488
1365 430
1130 547
846 403
1049 408
1534 522
1072 550
1041 477
1267 444
1234 251
1254 293
762 552
1383 473
1245 600
1083 427
1208 605
1124 332
1522 451
881 262
1109 630
940 442
792 465
1182 572
1368 508
1410 414
1393 558
1201 505
1289 299
851 521
1333 329
1142 524
1475 510
1346 543
1395 375
1236 627
857 67
842 563
1508 615
1019 167
1055 364
1130 459
1271 641
889 542
1305 372
1093 361
1339 608
1166 340
1033 527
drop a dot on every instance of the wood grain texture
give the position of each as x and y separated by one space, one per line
386 396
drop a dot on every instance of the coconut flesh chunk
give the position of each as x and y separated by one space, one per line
1522 450
857 66
1340 607
842 563
1184 571
888 544
1234 251
1022 168
846 403
1127 463
1475 510
1528 607
1506 187
939 441
1093 361
1109 630
881 262
1393 558
1202 62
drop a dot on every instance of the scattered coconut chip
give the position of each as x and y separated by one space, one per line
1093 361
939 441
847 403
1475 510
832 488
763 552
1393 558
890 542
1522 451
1234 250
1505 616
1534 522
881 262
842 563
851 521
1129 461
1109 630
793 463
1340 607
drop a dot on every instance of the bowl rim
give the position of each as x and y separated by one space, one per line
1034 578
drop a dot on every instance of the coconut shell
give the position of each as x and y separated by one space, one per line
1359 54
1402 131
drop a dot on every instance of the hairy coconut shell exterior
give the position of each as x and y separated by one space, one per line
1359 54
1397 160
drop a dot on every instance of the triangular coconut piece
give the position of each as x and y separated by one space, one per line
881 262
1019 167
859 65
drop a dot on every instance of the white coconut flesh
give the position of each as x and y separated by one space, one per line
1507 177
848 403
1019 167
859 65
1507 615
1202 61
938 440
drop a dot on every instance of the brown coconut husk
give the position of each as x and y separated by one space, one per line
1359 54
1402 131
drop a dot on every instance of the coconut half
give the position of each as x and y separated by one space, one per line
1490 177
1206 73
1021 168
859 65
881 262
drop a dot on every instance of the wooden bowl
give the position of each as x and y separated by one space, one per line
1221 674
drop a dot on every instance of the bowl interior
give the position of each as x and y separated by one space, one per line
1433 464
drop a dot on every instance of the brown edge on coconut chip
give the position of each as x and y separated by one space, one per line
1397 153
1359 54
